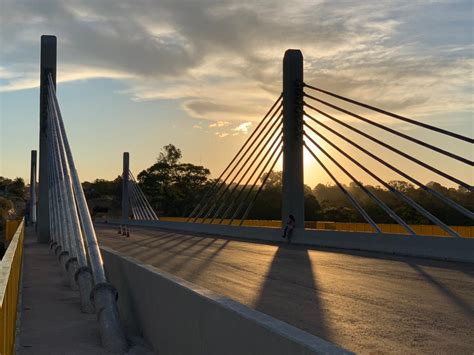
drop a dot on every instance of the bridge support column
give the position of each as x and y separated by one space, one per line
33 188
125 178
293 185
48 65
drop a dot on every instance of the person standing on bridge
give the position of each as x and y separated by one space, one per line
288 231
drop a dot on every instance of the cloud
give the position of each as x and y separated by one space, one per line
221 134
222 59
243 127
19 81
218 124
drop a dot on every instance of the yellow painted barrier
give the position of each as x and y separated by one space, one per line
248 222
10 271
464 231
11 225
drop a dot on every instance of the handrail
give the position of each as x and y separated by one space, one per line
10 271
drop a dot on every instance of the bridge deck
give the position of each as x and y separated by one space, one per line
361 301
51 319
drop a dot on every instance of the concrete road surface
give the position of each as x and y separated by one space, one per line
365 302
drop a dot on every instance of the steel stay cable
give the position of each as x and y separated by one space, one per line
262 172
57 227
235 157
58 209
62 216
95 257
141 196
259 176
216 195
265 142
134 212
140 207
58 205
345 192
249 207
221 194
258 132
407 199
374 197
132 206
135 202
103 295
56 233
144 199
443 198
393 149
133 199
52 215
77 242
275 144
52 199
138 203
388 129
394 115
209 191
212 197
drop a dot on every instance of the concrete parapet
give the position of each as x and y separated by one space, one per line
442 248
177 317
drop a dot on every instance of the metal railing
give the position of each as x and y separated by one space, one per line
10 272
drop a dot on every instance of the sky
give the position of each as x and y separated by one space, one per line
200 74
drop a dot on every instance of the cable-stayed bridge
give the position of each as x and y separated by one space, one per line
211 284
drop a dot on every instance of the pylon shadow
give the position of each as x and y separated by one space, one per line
291 277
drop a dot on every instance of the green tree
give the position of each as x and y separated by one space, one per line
14 191
104 196
172 187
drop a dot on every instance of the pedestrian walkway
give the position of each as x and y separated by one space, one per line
51 318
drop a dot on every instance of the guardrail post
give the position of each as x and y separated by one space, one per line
293 184
48 65
125 178
33 188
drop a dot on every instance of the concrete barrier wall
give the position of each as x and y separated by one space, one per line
444 248
177 317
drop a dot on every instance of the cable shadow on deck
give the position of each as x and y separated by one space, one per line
204 264
458 301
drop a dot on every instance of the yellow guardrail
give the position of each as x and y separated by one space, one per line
11 225
464 231
10 271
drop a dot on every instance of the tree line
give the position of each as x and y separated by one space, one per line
174 188
13 197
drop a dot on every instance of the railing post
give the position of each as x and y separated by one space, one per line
293 185
33 188
125 192
48 65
